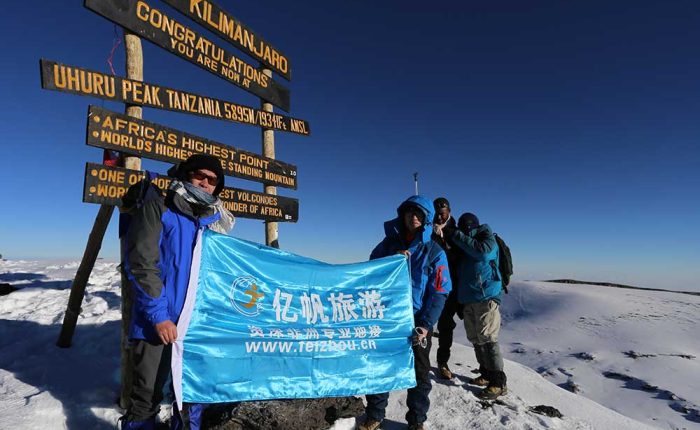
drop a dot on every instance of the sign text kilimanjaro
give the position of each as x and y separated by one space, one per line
217 20
157 27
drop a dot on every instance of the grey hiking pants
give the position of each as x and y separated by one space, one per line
151 371
482 321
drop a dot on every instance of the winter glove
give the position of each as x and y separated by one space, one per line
420 337
482 236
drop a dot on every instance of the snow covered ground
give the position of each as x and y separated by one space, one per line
571 334
635 351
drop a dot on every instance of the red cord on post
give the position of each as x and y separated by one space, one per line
115 45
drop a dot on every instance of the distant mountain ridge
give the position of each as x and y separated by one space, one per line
610 284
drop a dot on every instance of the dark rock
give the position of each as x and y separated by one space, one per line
572 386
585 356
297 414
636 355
615 375
549 411
485 405
648 387
6 289
686 356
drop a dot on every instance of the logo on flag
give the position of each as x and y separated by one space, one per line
247 296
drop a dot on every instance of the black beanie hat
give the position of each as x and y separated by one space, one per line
199 161
440 203
467 222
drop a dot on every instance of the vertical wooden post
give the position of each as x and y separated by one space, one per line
77 289
134 70
268 150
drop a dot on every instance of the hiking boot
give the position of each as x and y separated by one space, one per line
480 381
416 426
370 424
444 371
492 392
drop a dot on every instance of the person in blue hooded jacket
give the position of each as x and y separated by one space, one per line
479 293
160 241
409 234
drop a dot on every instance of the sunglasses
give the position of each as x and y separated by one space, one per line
212 180
417 212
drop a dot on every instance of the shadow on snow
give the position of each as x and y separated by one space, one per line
81 377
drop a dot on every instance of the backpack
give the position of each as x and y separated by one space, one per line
505 262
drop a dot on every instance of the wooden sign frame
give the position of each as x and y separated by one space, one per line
218 21
106 185
155 26
75 80
123 133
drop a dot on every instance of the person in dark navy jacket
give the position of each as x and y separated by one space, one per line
409 234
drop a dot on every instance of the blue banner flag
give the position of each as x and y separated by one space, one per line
260 323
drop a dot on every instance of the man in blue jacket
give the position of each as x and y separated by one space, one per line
479 294
160 243
409 234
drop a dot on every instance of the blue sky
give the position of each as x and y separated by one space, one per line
570 127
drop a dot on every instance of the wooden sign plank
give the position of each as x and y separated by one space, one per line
160 29
215 19
119 132
106 185
75 80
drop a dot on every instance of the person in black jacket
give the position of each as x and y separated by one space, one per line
446 324
159 245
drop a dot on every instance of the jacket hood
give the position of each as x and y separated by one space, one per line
422 203
480 228
394 227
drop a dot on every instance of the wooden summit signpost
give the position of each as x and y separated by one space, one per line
133 137
106 185
118 132
84 82
157 27
213 18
